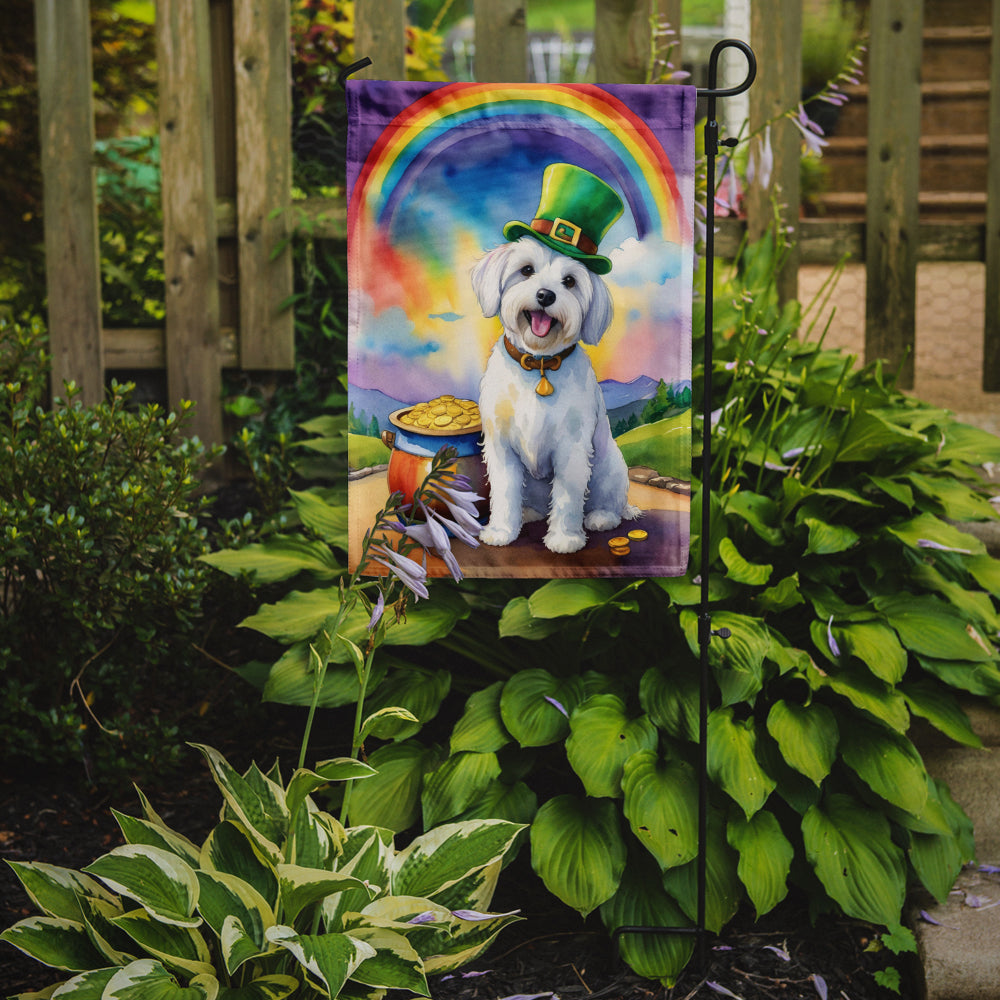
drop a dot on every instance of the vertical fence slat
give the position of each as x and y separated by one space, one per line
991 332
190 253
776 35
621 40
72 257
501 41
261 57
380 34
893 183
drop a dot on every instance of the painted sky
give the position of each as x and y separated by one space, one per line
434 173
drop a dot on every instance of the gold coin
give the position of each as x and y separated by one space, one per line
638 535
442 420
424 421
618 540
447 397
620 550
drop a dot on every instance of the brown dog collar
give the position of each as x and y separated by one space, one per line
540 363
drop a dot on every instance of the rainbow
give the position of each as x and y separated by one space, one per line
626 145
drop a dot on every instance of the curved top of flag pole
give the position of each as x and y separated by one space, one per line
712 91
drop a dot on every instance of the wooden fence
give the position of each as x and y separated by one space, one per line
226 161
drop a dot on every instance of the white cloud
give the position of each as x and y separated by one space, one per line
637 263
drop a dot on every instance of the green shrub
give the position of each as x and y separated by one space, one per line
279 900
101 584
854 606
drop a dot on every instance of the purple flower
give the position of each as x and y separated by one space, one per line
377 611
558 705
427 917
834 647
432 537
780 952
719 988
760 166
811 132
927 543
410 573
475 915
820 983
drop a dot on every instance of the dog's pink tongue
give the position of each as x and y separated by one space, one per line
541 323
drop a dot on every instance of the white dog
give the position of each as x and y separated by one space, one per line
547 441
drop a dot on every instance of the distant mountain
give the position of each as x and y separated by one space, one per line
618 394
373 403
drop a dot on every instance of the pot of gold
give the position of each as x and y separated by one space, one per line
422 430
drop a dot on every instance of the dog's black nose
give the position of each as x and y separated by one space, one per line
545 297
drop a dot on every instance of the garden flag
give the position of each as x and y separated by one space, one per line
520 267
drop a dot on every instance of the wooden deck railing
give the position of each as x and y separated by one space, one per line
226 161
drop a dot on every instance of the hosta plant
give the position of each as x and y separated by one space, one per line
279 900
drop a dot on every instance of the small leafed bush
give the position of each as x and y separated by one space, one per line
280 899
99 574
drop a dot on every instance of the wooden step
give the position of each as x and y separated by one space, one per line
945 12
957 206
947 163
956 53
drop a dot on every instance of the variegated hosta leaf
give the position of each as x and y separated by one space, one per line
177 947
56 891
578 851
315 838
274 987
850 847
602 737
441 857
141 831
55 941
456 784
116 947
723 889
467 940
256 801
367 853
391 799
765 858
732 760
888 763
86 986
304 782
807 736
476 890
329 959
395 964
301 887
230 849
535 706
642 902
481 727
661 805
149 980
224 897
158 880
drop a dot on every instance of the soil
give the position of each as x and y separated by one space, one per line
551 952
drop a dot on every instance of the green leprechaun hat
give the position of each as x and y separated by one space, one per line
575 212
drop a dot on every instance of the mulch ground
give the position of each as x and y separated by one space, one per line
550 953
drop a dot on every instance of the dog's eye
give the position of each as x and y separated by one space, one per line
569 281
527 271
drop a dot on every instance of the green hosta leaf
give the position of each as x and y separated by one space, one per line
876 646
516 803
417 690
330 959
931 628
758 511
292 680
301 887
142 831
957 501
395 964
685 593
517 620
941 709
975 605
456 784
828 539
661 798
807 736
732 760
438 859
180 948
279 558
850 848
560 598
578 851
894 489
260 809
56 891
783 595
738 661
225 897
869 436
985 569
765 858
327 520
147 979
391 798
54 941
738 569
159 881
976 678
888 763
297 616
387 723
723 889
275 987
535 706
928 528
965 443
671 699
602 738
864 691
230 849
641 901
481 728
937 859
